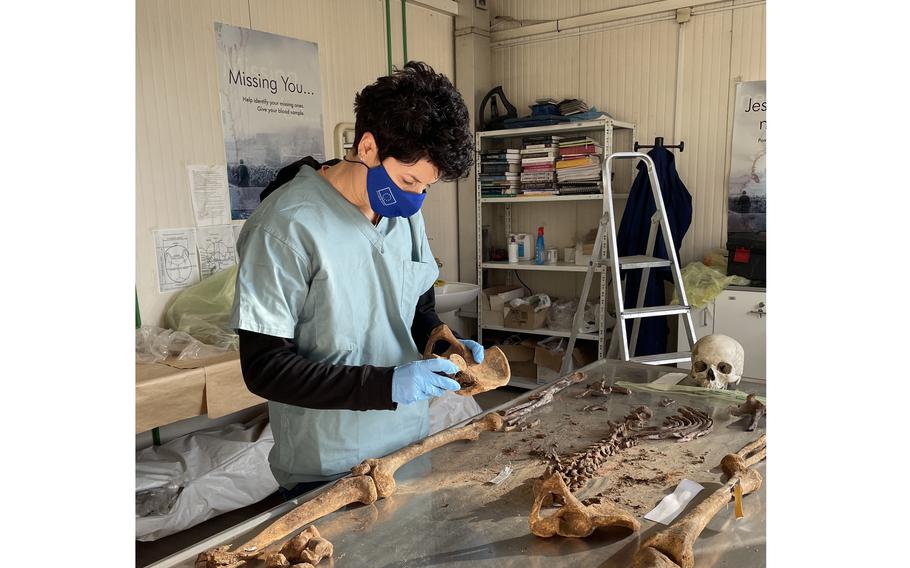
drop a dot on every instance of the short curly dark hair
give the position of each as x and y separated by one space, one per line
417 113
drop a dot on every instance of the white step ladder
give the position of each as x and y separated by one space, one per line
639 262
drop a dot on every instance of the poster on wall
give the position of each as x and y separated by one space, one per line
271 108
746 200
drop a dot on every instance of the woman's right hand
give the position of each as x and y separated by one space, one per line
418 380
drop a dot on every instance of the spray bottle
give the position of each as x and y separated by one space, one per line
539 251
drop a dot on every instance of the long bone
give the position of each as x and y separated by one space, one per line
382 470
473 377
371 480
673 546
574 519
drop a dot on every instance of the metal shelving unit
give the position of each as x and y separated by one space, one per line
602 131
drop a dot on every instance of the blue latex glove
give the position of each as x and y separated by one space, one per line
476 349
418 380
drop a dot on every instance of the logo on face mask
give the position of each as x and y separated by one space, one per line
386 196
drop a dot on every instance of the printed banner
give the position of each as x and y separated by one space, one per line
271 108
746 199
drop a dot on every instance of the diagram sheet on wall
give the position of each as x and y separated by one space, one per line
746 199
177 264
216 249
271 108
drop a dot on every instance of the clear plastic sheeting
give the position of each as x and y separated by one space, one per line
204 310
704 283
450 409
194 478
562 314
154 344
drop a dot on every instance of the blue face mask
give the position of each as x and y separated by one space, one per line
386 198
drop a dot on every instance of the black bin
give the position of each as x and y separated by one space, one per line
746 256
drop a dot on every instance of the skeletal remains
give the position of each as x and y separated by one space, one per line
514 416
472 376
673 546
371 480
687 424
717 362
752 407
601 388
574 518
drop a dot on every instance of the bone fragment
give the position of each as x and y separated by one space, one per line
752 407
573 519
473 377
514 414
307 546
673 546
382 470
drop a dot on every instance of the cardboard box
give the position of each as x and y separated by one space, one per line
552 360
523 369
524 317
495 297
521 352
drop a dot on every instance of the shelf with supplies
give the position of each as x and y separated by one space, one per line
558 158
548 198
540 331
560 266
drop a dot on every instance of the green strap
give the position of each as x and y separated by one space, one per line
388 34
138 318
404 29
156 437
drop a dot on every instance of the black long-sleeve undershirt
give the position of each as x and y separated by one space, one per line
274 370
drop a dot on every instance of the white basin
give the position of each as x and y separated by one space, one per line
452 295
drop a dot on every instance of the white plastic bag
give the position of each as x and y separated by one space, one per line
449 409
194 478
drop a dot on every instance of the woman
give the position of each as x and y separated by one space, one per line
334 295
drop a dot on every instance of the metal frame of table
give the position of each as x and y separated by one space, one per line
428 523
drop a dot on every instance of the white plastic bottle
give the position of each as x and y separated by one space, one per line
513 251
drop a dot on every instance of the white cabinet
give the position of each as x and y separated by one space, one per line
740 313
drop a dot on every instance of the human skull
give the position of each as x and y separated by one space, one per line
717 362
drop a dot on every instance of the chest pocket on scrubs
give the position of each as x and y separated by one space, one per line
416 279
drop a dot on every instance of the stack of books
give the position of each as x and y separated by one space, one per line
578 167
538 165
500 173
569 107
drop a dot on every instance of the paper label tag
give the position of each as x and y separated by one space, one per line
674 503
503 475
738 500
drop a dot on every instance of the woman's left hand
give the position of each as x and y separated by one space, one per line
475 348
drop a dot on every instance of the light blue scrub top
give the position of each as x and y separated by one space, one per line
315 269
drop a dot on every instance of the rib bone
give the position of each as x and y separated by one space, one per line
473 377
574 519
382 470
673 546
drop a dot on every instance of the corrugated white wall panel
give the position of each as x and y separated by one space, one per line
352 47
672 80
703 124
178 120
431 39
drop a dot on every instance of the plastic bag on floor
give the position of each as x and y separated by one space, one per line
449 409
201 475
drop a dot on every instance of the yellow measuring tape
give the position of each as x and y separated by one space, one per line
738 500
